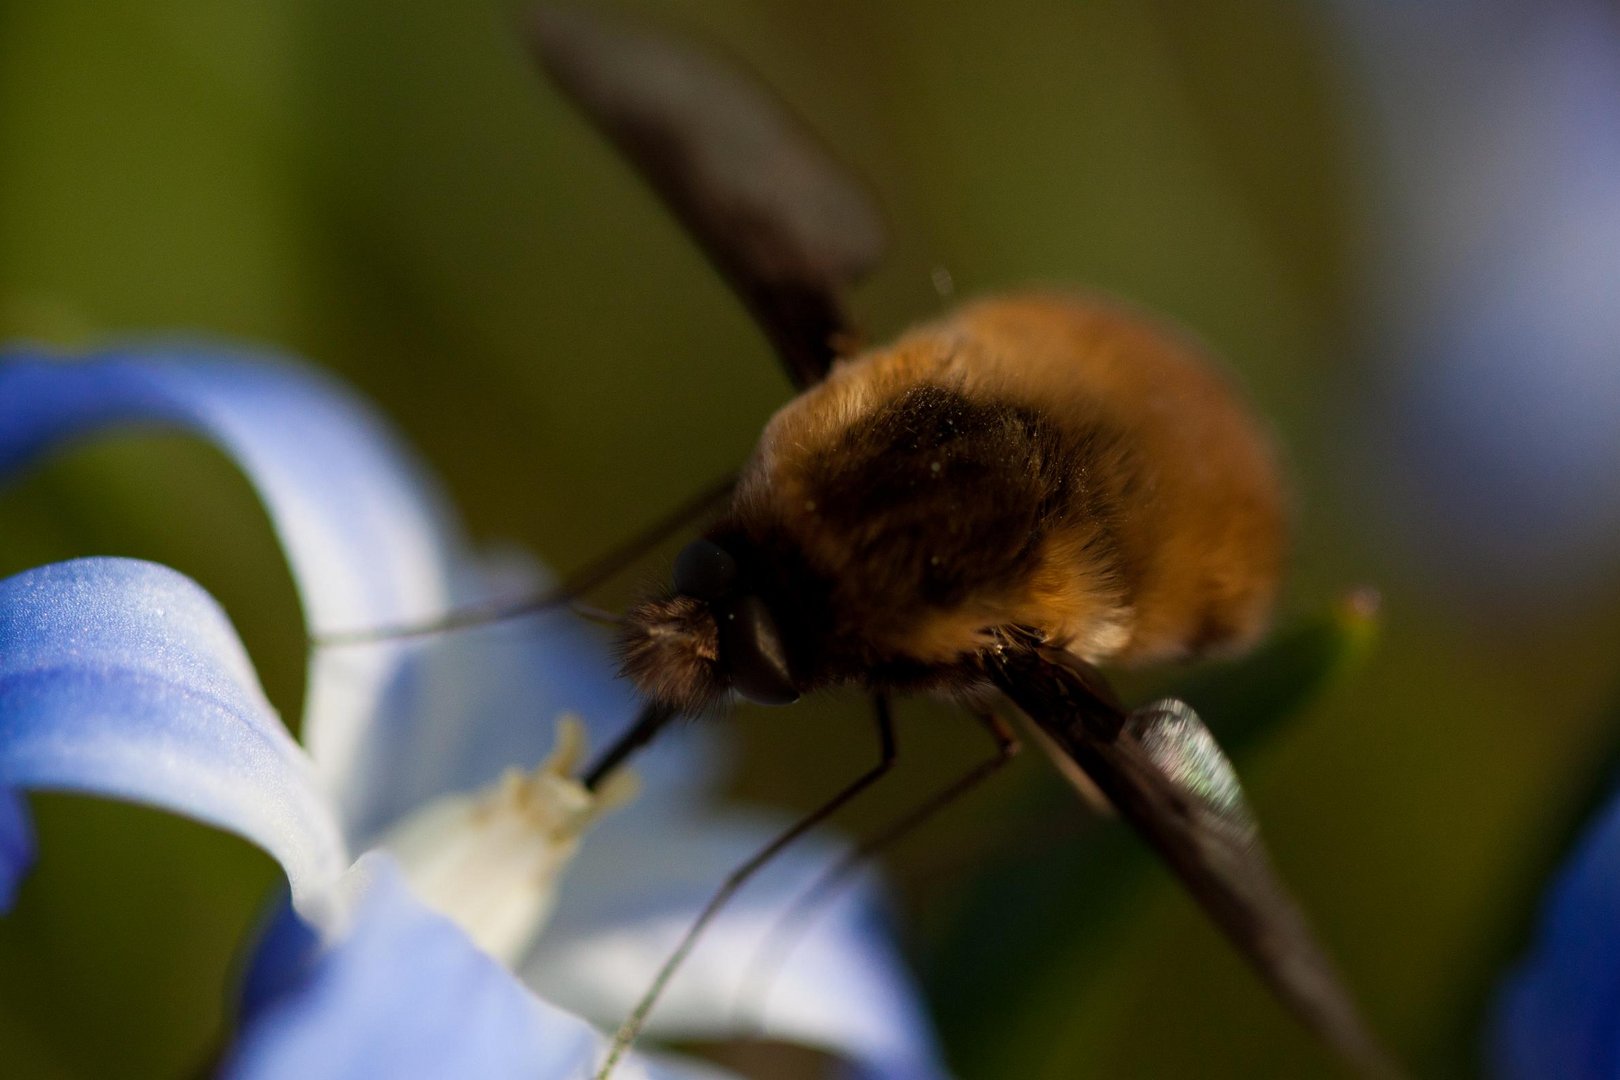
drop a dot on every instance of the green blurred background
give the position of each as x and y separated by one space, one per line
388 190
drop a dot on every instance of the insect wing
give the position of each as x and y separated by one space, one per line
786 225
1164 773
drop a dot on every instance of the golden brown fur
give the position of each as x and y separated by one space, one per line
1199 528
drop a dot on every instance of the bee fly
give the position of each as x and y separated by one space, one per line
983 510
1041 468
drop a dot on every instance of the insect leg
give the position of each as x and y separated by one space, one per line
801 916
737 878
582 581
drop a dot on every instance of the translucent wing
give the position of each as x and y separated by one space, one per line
1162 770
786 225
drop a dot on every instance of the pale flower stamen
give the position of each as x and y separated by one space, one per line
490 862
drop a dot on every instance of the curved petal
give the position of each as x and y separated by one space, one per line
370 543
124 679
16 846
364 529
403 993
632 892
1558 1014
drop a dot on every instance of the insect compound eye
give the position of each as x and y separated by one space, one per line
751 652
705 570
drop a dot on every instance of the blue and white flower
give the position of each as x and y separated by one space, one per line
425 955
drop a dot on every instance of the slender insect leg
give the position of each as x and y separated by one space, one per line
737 878
580 582
801 916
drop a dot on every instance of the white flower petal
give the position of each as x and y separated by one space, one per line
631 894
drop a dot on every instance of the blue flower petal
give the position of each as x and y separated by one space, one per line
1559 1013
365 531
370 543
124 679
631 893
403 993
16 846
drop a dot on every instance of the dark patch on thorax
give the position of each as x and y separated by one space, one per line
928 499
939 494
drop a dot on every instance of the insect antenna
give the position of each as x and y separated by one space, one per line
802 914
626 1035
594 573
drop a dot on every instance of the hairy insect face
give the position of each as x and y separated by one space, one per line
670 648
711 636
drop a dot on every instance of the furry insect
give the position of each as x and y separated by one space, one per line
1047 461
985 509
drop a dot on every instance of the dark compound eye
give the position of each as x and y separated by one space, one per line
705 570
751 652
